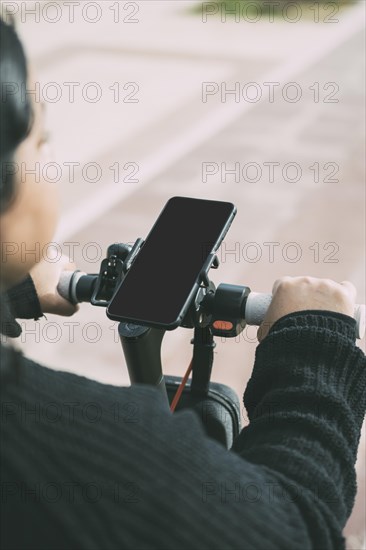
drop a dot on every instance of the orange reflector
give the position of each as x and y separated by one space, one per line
223 325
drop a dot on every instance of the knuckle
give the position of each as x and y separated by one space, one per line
307 280
283 283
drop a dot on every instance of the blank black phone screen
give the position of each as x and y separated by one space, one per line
159 283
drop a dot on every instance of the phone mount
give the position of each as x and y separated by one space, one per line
113 270
212 312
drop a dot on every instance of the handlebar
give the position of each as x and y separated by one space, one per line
78 287
258 304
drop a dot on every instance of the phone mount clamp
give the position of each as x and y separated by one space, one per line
212 312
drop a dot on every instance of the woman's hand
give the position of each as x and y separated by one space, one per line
46 276
291 294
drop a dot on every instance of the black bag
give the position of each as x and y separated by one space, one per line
219 410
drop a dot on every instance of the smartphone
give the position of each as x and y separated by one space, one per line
165 274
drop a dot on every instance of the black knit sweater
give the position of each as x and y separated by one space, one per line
90 466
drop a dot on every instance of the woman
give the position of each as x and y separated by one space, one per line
152 479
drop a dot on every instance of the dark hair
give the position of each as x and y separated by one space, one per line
16 114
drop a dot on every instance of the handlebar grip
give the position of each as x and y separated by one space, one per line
76 286
257 305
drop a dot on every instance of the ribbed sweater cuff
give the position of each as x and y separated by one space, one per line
316 350
329 320
24 301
